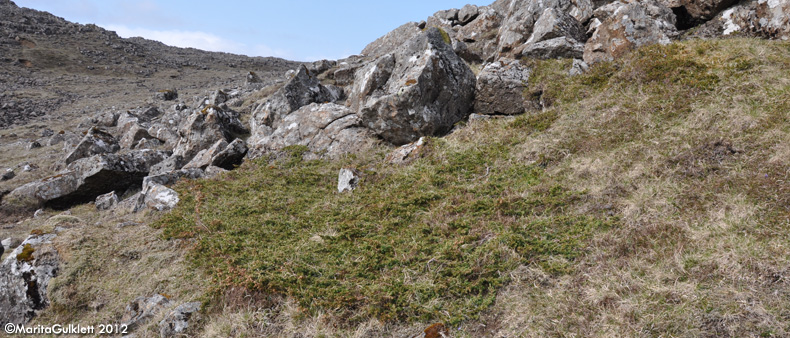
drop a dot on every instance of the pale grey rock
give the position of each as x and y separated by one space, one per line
204 128
767 19
160 198
347 180
24 279
302 89
177 321
520 17
133 136
500 88
221 154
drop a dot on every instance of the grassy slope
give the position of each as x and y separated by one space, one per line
650 199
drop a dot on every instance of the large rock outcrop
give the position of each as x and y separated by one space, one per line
24 276
697 11
324 128
422 88
85 179
204 128
302 89
628 26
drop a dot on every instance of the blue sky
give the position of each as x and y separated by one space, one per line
303 30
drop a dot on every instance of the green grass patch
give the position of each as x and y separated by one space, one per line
430 241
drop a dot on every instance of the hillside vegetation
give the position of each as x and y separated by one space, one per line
649 198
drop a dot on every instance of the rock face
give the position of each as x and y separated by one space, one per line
324 128
24 276
628 27
85 179
303 89
500 88
423 88
95 142
177 321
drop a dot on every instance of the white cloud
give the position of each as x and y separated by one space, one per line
199 40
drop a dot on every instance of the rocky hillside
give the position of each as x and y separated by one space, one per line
528 168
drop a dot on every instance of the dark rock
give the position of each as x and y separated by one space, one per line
423 88
7 175
166 95
33 145
500 88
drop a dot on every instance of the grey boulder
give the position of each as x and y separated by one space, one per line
423 88
205 127
500 88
